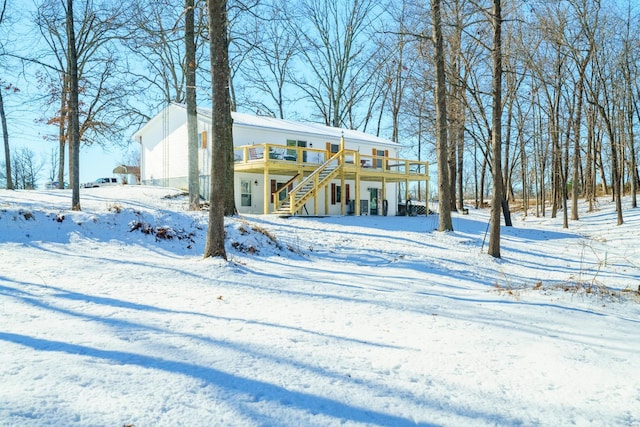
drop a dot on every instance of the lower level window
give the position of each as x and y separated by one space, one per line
245 193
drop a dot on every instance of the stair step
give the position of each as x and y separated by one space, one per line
305 191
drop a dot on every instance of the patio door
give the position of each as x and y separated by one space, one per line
373 201
292 154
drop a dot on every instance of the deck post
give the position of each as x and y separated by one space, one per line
406 191
426 198
357 184
343 193
267 189
383 195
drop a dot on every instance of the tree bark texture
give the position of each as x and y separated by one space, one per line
5 138
74 125
64 128
444 193
496 199
221 126
192 113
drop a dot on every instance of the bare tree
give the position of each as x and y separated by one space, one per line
630 73
266 50
333 39
496 144
397 64
52 159
419 104
478 110
5 138
222 138
158 46
456 104
3 119
605 95
587 19
103 112
74 117
25 169
444 196
192 117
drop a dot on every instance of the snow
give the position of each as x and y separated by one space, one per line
111 317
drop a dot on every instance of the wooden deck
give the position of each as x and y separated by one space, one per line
301 162
293 160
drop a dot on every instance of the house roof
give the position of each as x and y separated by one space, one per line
303 128
316 129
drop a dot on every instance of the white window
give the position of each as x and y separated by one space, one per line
379 154
245 192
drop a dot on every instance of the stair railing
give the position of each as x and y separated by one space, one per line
276 194
295 203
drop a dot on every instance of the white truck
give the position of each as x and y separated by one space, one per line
102 182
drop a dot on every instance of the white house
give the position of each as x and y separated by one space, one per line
306 168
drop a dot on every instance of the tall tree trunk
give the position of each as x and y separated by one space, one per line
565 174
576 143
456 142
523 177
555 162
3 122
520 142
539 179
453 164
74 126
483 177
534 155
460 145
230 208
496 199
634 163
615 167
64 129
192 113
600 165
589 179
458 83
222 125
444 193
506 174
5 138
475 173
630 132
617 178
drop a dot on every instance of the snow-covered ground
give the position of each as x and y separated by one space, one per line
111 317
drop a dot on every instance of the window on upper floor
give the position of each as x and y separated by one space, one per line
294 152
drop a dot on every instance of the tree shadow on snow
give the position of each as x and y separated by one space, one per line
255 391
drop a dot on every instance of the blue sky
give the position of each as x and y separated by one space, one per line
24 109
25 131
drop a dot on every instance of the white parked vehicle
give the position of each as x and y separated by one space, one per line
102 182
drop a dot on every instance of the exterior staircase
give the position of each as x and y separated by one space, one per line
309 186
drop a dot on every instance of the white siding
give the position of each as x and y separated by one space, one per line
164 154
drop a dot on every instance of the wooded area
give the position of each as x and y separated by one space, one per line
563 127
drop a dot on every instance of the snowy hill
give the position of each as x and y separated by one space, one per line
110 316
